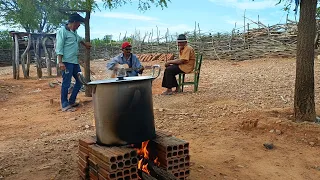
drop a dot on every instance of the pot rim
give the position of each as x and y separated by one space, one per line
125 79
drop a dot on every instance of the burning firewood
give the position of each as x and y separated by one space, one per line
149 165
160 174
145 176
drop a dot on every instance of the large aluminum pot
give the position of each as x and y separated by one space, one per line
123 109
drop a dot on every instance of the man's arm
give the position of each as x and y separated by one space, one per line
111 64
184 58
175 61
139 67
87 45
59 48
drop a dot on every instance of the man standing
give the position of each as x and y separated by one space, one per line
126 57
67 50
185 64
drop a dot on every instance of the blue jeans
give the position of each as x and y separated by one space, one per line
71 70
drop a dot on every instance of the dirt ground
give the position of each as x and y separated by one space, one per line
38 141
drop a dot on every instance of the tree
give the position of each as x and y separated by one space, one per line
5 40
107 38
41 15
32 15
304 104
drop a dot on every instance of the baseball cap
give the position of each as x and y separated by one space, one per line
125 44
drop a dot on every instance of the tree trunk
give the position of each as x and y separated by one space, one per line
87 55
304 105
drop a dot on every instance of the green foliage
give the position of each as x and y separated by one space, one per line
143 5
32 15
46 15
107 39
5 40
289 3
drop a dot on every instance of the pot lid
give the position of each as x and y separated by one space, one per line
119 80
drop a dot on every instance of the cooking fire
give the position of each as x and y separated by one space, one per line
164 158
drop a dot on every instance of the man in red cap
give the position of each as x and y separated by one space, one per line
126 57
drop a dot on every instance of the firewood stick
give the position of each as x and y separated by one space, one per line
145 176
160 174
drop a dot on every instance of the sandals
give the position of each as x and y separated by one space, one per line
68 109
75 104
167 93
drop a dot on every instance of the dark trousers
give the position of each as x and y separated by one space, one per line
71 70
169 78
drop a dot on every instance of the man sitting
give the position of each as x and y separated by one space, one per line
127 58
185 64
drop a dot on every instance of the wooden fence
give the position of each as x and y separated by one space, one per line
262 41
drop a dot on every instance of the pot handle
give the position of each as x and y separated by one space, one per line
82 79
154 67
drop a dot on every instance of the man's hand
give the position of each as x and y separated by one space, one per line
62 66
167 64
88 45
141 70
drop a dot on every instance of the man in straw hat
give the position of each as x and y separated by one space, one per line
185 64
67 50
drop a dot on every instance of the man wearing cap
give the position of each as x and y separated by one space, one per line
126 57
185 64
67 49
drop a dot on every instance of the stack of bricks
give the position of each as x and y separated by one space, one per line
173 155
107 163
121 163
83 162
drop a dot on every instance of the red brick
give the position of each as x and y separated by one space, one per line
83 162
83 149
87 141
83 156
93 174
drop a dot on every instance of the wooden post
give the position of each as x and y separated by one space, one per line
88 92
54 56
37 54
158 33
24 58
244 29
28 63
13 55
195 30
48 60
17 58
151 41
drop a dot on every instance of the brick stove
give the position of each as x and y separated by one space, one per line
98 162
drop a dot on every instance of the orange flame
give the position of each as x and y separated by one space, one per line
145 155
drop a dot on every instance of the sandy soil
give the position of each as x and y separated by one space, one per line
38 141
